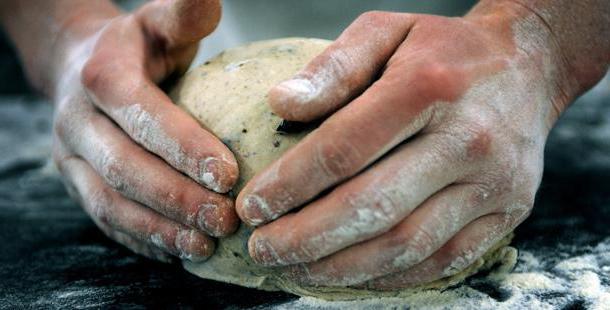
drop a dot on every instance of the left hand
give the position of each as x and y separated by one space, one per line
143 169
437 156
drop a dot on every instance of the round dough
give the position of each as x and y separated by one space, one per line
228 96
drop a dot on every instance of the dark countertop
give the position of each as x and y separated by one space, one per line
53 256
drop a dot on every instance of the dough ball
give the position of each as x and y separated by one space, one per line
228 96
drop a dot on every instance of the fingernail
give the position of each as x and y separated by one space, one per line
184 238
255 210
208 219
302 89
263 253
210 172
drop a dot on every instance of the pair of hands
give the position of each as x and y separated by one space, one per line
431 150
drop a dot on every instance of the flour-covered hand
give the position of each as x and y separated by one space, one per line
144 170
431 152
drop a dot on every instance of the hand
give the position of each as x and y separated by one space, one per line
431 153
133 159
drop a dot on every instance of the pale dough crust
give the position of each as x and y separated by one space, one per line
228 95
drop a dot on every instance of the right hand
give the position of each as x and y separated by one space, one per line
133 159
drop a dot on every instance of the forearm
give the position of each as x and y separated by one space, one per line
576 34
42 32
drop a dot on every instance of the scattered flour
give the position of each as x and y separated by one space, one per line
540 281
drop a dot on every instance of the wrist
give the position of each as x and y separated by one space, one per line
46 32
534 43
576 35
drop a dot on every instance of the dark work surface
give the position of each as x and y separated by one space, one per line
54 257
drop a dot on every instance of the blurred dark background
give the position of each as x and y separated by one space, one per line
12 78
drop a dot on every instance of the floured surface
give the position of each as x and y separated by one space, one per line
228 96
538 282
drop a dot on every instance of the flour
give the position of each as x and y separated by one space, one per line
536 283
236 65
147 130
157 240
323 88
233 106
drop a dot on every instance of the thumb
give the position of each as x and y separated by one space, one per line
345 69
180 22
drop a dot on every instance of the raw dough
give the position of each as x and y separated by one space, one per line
228 96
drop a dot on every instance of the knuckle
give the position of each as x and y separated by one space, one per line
176 202
140 124
101 204
388 206
500 179
501 183
481 193
111 170
505 181
217 215
418 241
436 81
373 210
421 240
478 141
93 74
372 18
431 19
336 159
434 75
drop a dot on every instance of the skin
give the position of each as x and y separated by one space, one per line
148 175
431 148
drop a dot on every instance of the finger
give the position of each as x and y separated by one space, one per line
391 110
343 70
416 237
109 208
145 178
149 117
461 251
398 105
60 155
180 22
135 245
362 208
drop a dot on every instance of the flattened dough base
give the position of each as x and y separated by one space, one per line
228 96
